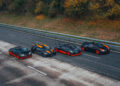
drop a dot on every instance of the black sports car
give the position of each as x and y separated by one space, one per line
43 50
94 47
68 49
20 52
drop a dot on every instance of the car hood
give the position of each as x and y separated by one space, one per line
25 52
49 51
76 50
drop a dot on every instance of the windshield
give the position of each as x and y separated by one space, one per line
99 45
70 46
24 50
46 47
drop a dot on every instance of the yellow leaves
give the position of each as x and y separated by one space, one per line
67 3
114 11
110 2
75 7
94 6
39 7
73 3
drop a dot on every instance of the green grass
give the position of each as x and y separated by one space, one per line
100 29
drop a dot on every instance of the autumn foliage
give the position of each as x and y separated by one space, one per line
71 8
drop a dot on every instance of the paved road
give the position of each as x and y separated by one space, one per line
15 73
108 65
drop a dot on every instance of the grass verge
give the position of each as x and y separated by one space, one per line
100 29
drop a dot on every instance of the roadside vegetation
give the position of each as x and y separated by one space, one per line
89 18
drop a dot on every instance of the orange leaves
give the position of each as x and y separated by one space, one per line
39 17
92 23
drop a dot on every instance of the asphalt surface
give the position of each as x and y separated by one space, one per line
107 65
16 73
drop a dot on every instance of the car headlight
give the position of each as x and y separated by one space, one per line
30 53
45 53
102 50
22 55
71 51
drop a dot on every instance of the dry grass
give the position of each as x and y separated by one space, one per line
101 29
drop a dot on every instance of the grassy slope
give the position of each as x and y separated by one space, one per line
101 29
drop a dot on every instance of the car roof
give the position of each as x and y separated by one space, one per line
41 45
20 48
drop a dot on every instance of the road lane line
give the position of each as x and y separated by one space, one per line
105 65
43 73
69 71
115 51
92 56
53 38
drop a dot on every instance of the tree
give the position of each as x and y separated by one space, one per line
52 9
76 8
30 6
105 8
17 6
39 7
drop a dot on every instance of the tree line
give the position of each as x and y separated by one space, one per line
70 8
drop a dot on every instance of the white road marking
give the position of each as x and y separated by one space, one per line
66 70
92 56
57 39
43 73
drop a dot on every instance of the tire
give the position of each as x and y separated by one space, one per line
17 57
10 53
54 53
108 52
98 52
56 49
68 53
82 48
33 50
43 55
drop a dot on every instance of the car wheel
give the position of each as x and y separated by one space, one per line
54 53
97 52
10 53
18 57
83 49
56 49
68 53
108 52
43 55
33 50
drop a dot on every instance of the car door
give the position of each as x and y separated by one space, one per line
91 47
63 50
15 51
